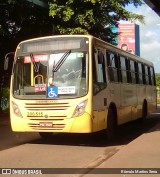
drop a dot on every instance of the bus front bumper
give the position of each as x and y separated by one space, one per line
81 124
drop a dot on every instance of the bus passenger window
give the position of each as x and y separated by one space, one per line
140 73
146 75
128 70
132 72
153 82
136 73
149 75
123 68
101 68
143 74
112 67
99 72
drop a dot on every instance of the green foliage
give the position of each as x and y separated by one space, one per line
20 20
91 16
158 87
5 92
5 100
158 80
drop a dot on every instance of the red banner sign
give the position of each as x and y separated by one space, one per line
37 58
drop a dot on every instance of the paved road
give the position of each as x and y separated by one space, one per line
127 133
65 151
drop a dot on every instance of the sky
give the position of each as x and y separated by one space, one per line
149 35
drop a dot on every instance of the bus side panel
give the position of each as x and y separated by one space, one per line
128 102
141 94
152 102
101 103
99 111
82 124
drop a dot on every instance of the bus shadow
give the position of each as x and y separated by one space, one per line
126 133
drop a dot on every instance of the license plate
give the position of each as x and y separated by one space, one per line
45 124
35 114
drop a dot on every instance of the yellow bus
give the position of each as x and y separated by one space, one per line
78 84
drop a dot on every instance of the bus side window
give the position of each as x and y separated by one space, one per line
112 66
153 82
143 74
140 73
127 63
149 75
94 72
154 78
99 73
123 68
146 75
101 68
136 72
132 71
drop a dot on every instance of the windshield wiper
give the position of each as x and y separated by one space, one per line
35 64
61 61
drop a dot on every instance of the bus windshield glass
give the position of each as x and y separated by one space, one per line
51 75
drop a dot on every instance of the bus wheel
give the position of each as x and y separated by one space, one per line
111 125
46 135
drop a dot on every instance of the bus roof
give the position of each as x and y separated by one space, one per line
97 42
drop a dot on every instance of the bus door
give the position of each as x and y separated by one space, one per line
99 89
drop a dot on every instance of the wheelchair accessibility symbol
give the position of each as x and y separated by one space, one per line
52 92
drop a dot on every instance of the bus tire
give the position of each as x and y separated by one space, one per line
46 135
111 124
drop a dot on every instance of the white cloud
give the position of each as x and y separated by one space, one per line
151 51
151 34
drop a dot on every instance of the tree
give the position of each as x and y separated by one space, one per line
19 20
158 87
158 80
91 16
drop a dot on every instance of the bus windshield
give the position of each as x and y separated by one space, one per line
51 75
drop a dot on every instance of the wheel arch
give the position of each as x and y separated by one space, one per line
145 108
111 129
113 107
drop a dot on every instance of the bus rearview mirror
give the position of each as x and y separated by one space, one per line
9 56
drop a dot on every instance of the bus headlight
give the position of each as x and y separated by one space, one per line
80 109
16 109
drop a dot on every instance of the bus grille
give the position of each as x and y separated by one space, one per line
54 111
47 106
